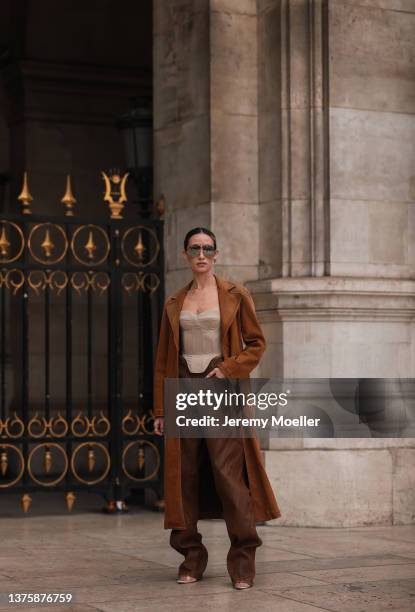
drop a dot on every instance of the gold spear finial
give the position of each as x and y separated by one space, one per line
26 501
141 458
68 199
4 243
47 461
70 500
4 462
90 246
91 459
47 244
25 197
139 247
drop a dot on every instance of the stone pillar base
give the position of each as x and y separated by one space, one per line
336 327
339 328
343 483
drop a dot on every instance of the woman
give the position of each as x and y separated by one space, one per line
202 329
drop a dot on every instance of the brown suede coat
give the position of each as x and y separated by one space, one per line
238 323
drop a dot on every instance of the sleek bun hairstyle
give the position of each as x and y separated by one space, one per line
198 230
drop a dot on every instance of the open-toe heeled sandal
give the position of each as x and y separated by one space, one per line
185 579
242 584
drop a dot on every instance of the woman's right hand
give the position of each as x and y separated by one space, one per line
159 426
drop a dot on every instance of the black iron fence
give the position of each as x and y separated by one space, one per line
80 305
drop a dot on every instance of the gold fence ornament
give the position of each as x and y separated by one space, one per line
10 448
47 244
4 462
115 192
9 231
104 453
91 460
47 461
11 427
25 197
141 458
90 246
68 199
4 243
26 501
70 500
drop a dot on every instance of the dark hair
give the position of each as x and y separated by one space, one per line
198 230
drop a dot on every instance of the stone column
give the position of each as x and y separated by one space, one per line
206 122
336 159
336 295
293 138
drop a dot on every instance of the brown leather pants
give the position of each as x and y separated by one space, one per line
227 460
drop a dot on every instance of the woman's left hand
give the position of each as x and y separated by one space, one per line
216 372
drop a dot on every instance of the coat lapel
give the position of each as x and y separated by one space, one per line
228 304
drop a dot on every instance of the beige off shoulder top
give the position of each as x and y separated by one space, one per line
200 337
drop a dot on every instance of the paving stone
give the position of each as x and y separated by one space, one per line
124 563
397 595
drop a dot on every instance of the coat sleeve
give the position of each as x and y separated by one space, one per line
160 366
240 365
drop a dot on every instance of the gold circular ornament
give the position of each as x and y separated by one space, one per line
89 245
20 474
9 424
40 423
130 424
134 252
40 279
141 444
136 281
5 241
47 445
58 426
48 245
80 425
100 426
100 281
106 455
13 279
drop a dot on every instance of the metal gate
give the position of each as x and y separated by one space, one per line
80 305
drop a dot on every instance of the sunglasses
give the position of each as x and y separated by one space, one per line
194 250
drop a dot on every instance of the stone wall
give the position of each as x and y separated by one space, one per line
372 138
287 126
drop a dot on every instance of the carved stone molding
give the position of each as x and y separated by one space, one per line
334 299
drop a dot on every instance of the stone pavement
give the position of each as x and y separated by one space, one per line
124 563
